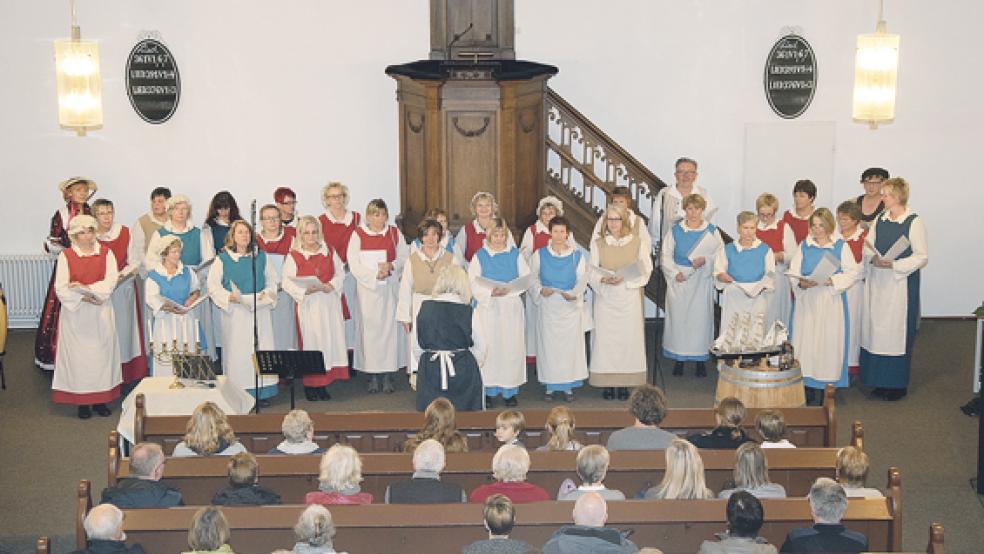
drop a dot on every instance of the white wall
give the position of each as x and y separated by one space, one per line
294 93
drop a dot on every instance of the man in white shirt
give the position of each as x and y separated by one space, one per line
667 207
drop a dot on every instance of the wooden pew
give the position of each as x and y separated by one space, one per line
293 476
671 525
386 431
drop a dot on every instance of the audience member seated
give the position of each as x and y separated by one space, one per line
208 433
500 515
425 486
684 476
745 517
315 531
143 487
648 406
828 502
752 474
209 532
244 488
509 467
509 425
592 466
560 427
730 413
298 432
852 471
772 426
104 529
439 425
589 534
338 483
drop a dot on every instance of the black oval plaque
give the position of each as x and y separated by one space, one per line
152 81
790 76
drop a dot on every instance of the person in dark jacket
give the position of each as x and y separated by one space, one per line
104 531
425 486
730 413
828 502
143 487
589 534
500 516
244 488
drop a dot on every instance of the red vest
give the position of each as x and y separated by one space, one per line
386 241
281 246
337 235
318 265
773 237
539 239
800 227
86 269
119 247
473 241
857 245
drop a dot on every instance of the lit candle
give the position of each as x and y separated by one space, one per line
184 331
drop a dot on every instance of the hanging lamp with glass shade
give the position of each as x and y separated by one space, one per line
876 68
79 81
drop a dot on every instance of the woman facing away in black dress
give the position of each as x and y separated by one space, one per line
450 352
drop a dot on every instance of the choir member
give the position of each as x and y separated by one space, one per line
146 225
337 226
275 239
798 219
689 326
745 263
618 345
232 288
500 312
286 202
125 301
890 309
318 305
821 323
853 233
171 287
472 236
447 239
536 237
449 346
222 211
622 196
562 317
87 361
773 231
667 208
197 252
76 193
870 202
376 254
417 283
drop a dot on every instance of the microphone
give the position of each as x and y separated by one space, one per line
456 38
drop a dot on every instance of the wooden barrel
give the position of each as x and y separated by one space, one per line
761 388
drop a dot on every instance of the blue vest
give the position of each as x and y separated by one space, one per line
684 240
747 266
502 267
191 244
240 272
812 255
888 232
177 288
219 233
559 272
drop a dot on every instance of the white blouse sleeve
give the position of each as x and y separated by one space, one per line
366 276
920 251
216 291
404 306
289 285
481 292
272 283
850 271
645 266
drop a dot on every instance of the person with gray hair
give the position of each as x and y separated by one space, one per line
425 486
315 531
143 487
298 432
104 531
828 502
589 534
592 466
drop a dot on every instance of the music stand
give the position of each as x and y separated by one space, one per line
289 364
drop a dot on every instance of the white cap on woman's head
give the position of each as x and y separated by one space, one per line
80 223
550 201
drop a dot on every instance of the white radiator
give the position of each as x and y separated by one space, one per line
25 281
